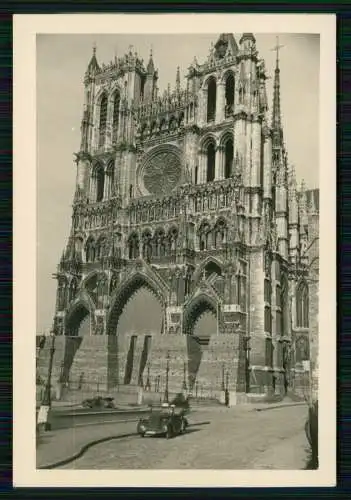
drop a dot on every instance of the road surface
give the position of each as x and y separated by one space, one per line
218 438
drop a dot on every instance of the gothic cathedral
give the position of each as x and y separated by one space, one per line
190 195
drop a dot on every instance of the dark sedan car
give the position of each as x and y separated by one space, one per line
163 420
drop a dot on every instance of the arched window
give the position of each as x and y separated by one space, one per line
211 161
196 174
100 183
302 306
211 99
103 120
229 95
115 119
228 158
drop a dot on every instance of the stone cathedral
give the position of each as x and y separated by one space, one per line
189 194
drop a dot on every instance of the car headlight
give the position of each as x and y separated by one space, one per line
142 427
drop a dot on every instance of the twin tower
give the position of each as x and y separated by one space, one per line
187 193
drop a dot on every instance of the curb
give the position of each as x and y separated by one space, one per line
285 405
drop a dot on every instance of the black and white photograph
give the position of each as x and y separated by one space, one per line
178 259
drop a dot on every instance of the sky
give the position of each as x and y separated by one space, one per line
61 64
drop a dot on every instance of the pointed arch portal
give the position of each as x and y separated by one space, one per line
200 322
135 320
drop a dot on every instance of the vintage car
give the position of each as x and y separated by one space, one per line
165 420
98 402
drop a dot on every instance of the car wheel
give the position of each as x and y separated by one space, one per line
169 433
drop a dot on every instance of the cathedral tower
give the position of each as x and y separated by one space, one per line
185 194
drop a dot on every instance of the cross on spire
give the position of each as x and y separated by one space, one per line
94 48
276 49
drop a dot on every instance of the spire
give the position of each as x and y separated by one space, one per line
276 116
178 79
292 179
150 67
93 66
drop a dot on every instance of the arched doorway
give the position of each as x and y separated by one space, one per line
200 323
136 319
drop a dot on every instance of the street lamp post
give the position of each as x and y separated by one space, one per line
184 377
167 375
148 383
223 385
43 416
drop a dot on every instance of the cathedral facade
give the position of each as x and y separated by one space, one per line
190 195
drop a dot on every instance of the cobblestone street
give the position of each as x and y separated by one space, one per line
218 438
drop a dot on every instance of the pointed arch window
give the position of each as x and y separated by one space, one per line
302 306
103 120
115 119
229 95
100 183
228 158
211 99
211 162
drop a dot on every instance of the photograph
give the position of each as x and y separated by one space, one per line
177 250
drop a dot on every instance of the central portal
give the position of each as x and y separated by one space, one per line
139 326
